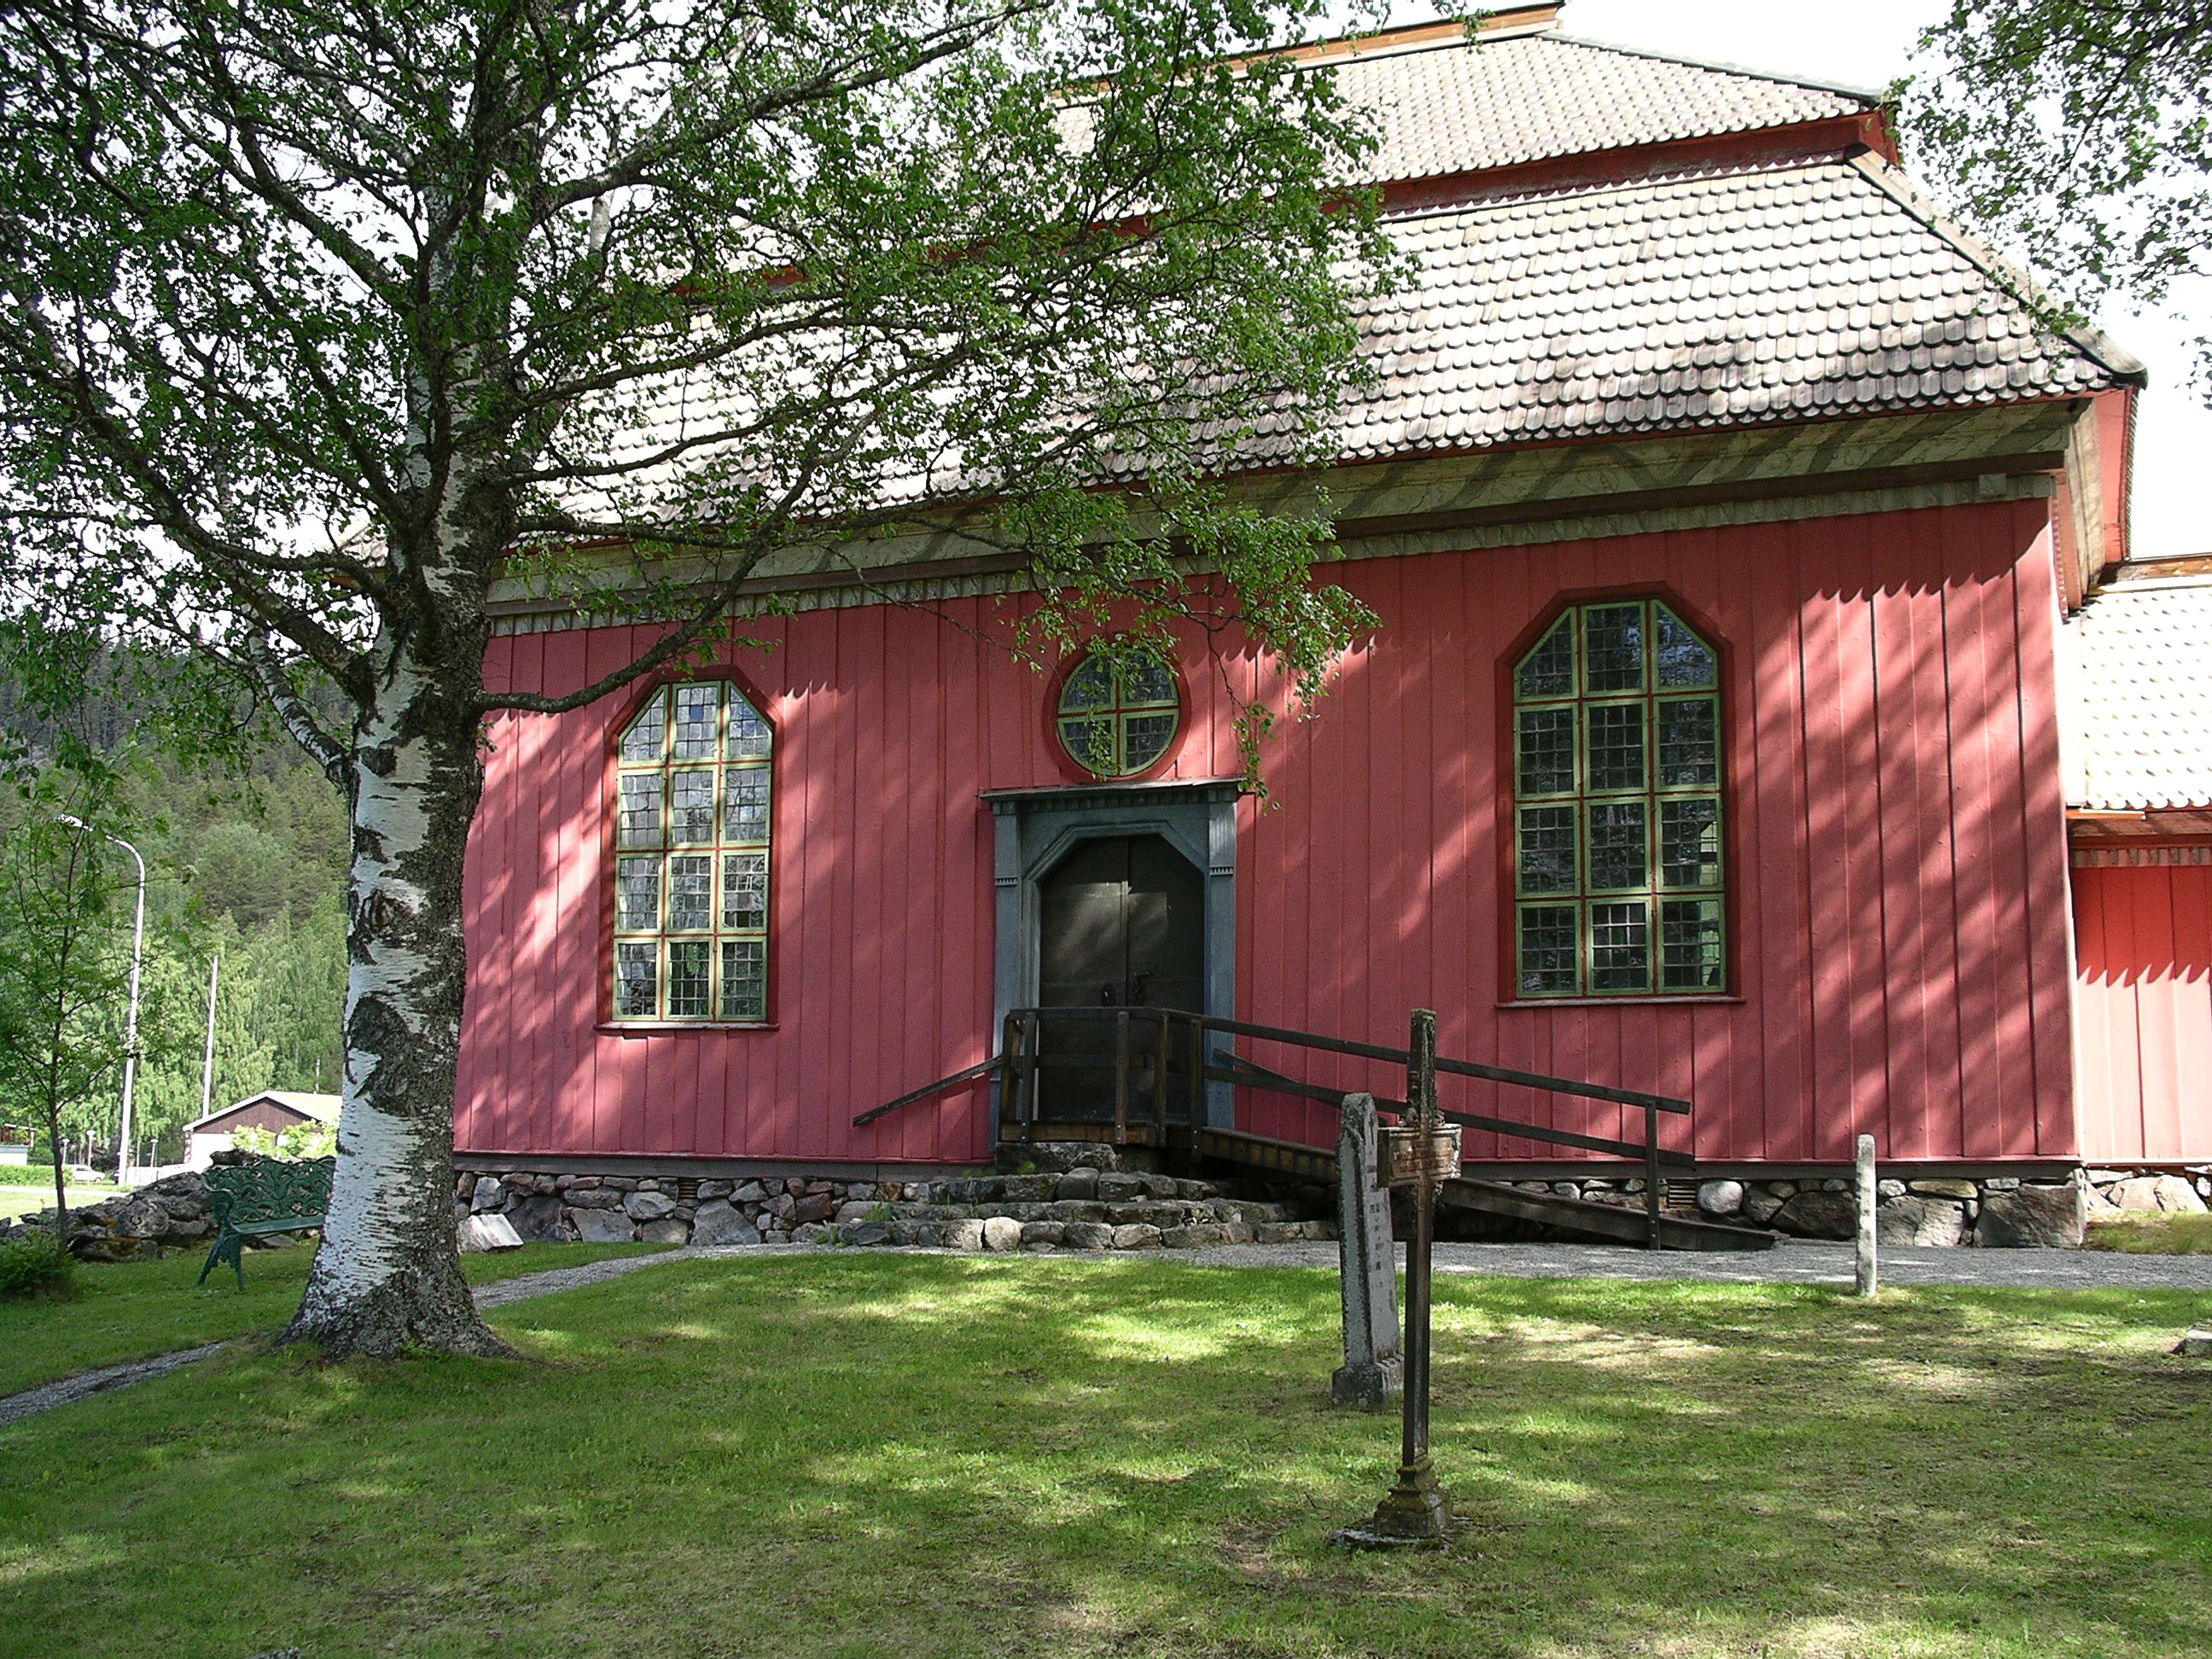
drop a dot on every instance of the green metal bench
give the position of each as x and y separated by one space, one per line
269 1196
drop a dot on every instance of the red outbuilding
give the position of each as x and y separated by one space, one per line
1722 505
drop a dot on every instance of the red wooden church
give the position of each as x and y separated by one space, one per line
1723 508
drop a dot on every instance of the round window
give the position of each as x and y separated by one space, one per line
1117 716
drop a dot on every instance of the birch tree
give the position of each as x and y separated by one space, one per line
320 317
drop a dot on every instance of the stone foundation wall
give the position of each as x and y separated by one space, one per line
1078 1208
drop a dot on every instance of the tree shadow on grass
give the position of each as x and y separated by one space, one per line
874 1455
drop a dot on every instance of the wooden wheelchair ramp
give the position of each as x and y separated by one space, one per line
1611 1224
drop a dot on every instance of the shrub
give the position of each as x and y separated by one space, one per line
300 1141
35 1264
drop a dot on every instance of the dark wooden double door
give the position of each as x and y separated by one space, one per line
1122 924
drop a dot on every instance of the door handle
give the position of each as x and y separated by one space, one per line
1140 989
1106 996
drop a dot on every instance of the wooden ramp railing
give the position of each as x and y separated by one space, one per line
1162 1059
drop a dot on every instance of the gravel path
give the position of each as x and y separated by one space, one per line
1796 1262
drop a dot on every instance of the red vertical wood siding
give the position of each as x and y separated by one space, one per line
1900 956
2144 1007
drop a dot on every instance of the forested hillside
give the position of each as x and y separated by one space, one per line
243 863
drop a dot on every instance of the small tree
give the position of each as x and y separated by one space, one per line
62 980
624 298
2081 133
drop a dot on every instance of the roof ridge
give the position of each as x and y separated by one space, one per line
2090 341
1875 96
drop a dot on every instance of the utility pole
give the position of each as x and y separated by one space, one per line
207 1059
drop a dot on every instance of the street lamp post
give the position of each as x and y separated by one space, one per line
130 1018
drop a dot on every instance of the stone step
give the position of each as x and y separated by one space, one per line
1108 1186
1007 1233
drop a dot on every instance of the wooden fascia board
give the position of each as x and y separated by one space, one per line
1834 136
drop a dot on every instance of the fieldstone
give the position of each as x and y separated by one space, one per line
1058 1156
1137 1236
1120 1189
603 1226
619 1183
1193 1236
649 1206
488 1192
546 1184
1088 1235
1720 1197
1946 1187
2099 1202
963 1235
2196 1344
865 1232
1030 1188
713 1190
1567 1189
517 1180
1888 1189
490 1232
539 1217
1833 1185
1783 1189
854 1209
1920 1221
593 1197
2050 1217
1043 1232
815 1206
719 1222
811 1232
1277 1232
2170 1194
1819 1214
781 1206
2001 1184
1078 1184
750 1191
1760 1206
1002 1232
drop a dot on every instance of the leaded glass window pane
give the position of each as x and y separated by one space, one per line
1689 744
1690 957
638 819
1616 746
692 806
648 732
1619 846
696 710
1606 844
690 893
637 987
748 731
1548 951
692 824
1683 659
1621 946
637 895
1547 748
1612 647
744 816
744 889
1548 849
1117 718
1549 669
745 979
689 962
1690 842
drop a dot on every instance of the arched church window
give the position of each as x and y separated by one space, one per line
1619 877
1118 712
691 858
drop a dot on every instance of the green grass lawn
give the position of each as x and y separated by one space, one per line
936 1457
2145 1233
132 1309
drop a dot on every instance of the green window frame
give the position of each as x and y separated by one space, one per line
1620 884
1118 712
693 773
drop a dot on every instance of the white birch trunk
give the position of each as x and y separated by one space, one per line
387 1275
